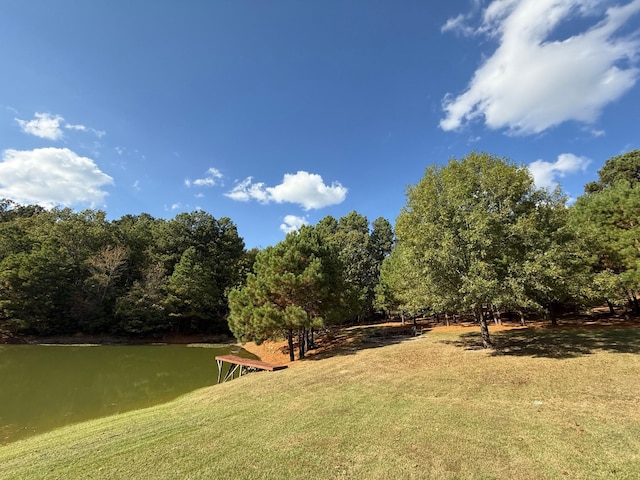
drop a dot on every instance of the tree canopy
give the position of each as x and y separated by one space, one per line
68 272
296 287
609 215
472 236
475 236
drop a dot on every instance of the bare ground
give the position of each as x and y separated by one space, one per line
341 340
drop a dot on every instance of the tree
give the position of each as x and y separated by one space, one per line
141 311
611 219
381 241
296 287
608 214
400 288
467 233
215 259
360 252
193 297
625 167
556 258
37 288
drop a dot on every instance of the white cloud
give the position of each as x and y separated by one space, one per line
545 173
83 128
533 82
247 190
305 189
43 125
292 223
458 25
213 177
50 177
46 125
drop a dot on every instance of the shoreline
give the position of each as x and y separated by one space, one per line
79 339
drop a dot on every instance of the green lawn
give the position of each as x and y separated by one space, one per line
565 406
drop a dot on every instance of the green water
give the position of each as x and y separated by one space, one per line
45 387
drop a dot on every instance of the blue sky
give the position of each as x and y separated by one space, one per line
280 112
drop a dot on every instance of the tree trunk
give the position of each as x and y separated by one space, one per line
522 322
312 340
610 305
552 315
301 337
446 319
636 304
484 328
496 315
290 343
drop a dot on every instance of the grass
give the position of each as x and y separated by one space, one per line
431 407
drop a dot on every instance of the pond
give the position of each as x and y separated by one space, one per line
45 387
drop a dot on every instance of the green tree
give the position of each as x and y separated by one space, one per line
296 287
216 258
466 234
556 261
360 252
610 218
193 297
141 310
400 288
37 277
607 214
625 167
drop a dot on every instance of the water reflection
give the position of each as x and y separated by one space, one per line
45 387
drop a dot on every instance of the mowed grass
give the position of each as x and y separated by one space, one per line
561 403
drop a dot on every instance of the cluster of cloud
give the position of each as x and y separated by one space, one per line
545 173
291 223
212 178
51 177
48 126
532 81
305 189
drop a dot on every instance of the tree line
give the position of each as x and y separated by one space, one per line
476 237
319 275
63 272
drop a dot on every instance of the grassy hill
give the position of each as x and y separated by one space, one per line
550 403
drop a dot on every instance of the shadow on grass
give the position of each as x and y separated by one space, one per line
350 340
557 343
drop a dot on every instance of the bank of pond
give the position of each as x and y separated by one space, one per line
48 386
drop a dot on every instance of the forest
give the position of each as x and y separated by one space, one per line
476 237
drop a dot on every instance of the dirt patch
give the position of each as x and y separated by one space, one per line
270 352
345 339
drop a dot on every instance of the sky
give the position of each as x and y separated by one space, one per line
277 113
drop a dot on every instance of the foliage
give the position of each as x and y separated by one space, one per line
360 252
64 272
609 217
296 287
625 168
476 234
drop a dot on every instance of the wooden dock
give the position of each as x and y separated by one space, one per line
240 365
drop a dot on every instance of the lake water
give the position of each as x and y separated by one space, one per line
45 387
